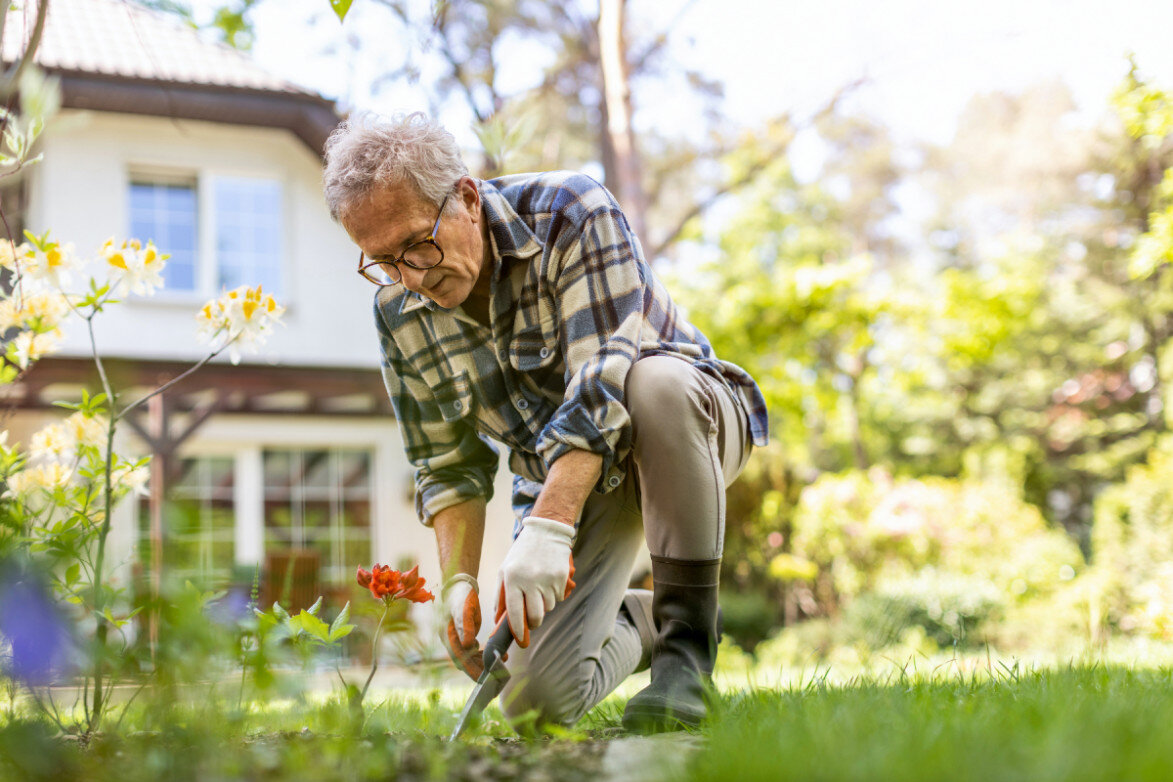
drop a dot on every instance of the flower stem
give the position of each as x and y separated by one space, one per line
375 652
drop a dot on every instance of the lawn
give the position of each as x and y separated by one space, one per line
999 722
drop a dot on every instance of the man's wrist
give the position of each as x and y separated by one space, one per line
555 527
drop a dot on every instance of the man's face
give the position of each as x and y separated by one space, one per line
390 219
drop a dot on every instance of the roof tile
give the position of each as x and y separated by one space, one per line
121 38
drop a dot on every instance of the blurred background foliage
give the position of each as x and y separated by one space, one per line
970 411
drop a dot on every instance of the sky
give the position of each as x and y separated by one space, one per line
922 59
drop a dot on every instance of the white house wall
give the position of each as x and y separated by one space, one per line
81 192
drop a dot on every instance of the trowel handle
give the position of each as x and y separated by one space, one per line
498 642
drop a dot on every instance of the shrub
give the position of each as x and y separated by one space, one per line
748 617
1132 548
865 530
949 609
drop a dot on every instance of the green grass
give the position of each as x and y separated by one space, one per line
1075 724
953 722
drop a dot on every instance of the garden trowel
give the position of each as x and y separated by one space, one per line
492 680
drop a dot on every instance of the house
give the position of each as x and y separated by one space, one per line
168 137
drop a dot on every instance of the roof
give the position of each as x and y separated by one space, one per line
115 55
121 38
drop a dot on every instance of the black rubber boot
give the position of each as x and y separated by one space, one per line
684 605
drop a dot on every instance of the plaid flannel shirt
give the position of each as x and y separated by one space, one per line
573 305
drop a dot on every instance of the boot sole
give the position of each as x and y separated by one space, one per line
650 719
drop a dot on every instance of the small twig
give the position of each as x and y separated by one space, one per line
17 68
126 708
198 365
52 713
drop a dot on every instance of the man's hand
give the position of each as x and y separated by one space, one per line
535 575
462 608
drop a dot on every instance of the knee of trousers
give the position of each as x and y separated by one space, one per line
664 394
544 695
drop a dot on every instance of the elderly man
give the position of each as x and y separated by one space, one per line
522 310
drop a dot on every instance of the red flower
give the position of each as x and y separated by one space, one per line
387 584
411 587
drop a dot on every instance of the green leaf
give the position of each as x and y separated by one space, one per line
340 632
317 606
73 573
311 625
280 612
109 617
341 7
342 617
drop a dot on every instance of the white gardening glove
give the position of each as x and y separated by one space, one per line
535 575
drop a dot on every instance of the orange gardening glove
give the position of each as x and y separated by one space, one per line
523 642
462 644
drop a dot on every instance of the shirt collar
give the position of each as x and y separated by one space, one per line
509 236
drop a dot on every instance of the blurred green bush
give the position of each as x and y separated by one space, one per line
870 533
1132 550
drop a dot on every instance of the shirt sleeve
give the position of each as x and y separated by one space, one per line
452 462
600 290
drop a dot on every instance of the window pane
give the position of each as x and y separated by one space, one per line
165 213
320 500
249 232
198 523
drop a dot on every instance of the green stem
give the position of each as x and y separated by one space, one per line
375 652
103 627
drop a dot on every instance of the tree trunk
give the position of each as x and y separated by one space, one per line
621 163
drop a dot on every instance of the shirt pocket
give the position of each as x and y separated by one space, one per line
531 351
454 397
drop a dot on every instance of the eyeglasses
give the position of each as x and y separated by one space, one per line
421 255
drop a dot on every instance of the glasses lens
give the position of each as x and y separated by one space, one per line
423 255
384 273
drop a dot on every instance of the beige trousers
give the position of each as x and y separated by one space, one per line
690 440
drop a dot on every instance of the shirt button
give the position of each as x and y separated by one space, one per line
614 481
458 405
522 404
544 352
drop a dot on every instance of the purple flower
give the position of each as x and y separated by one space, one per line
30 622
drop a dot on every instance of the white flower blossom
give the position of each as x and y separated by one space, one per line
241 317
133 267
87 429
51 267
28 481
43 309
55 441
27 347
132 479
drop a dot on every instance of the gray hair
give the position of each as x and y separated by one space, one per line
367 152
